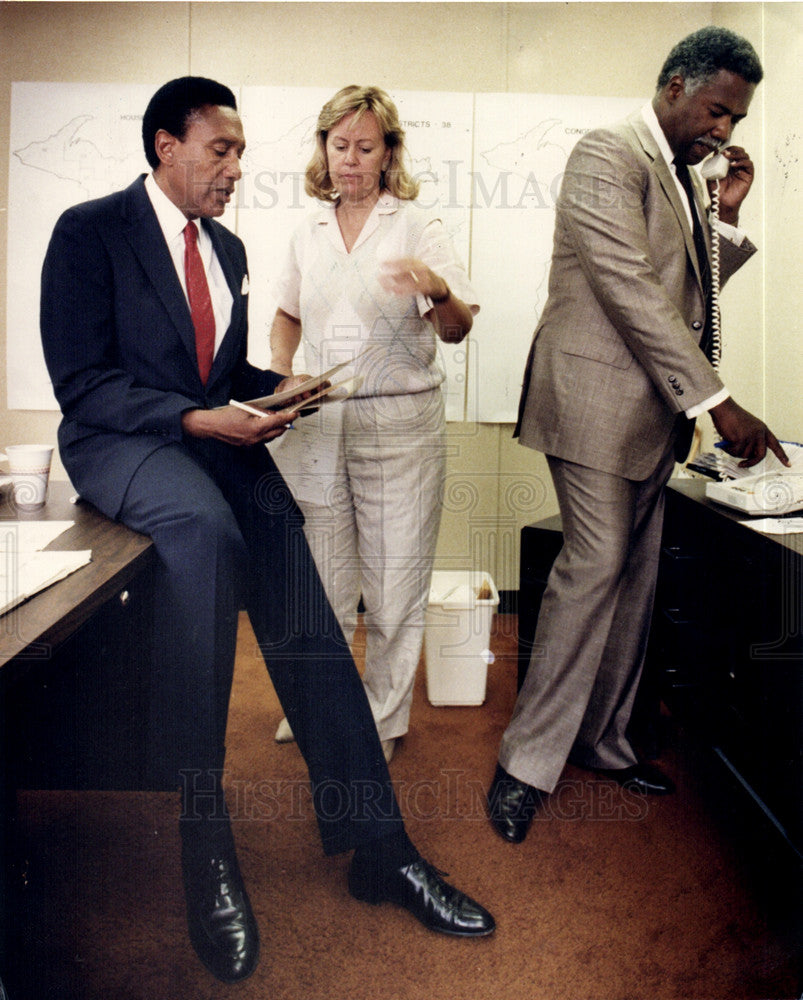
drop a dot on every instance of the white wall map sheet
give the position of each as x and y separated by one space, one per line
69 142
521 143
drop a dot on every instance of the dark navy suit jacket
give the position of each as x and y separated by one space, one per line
119 341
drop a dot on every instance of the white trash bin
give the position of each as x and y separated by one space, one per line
457 636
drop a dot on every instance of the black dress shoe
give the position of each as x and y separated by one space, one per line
221 924
643 778
420 888
512 805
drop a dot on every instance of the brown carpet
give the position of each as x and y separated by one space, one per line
611 897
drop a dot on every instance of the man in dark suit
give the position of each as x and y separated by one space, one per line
144 326
617 372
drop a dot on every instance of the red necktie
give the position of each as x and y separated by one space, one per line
203 318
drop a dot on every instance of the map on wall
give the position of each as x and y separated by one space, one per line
522 142
68 143
489 164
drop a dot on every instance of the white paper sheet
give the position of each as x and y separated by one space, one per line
24 568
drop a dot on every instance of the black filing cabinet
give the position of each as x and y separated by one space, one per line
726 645
540 544
727 640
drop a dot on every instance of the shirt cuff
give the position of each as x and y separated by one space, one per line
732 233
707 404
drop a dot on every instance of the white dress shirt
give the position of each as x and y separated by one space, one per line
172 222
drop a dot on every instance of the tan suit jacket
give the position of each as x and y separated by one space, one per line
616 356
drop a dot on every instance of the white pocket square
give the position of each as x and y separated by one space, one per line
245 286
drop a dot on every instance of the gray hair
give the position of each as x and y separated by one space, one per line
700 56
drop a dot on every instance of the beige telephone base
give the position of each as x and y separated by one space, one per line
770 494
770 489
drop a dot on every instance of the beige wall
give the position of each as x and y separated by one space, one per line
577 48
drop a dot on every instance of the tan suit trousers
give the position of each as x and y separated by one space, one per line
593 626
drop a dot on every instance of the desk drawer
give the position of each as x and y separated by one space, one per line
78 718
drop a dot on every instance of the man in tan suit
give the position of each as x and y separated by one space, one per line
616 375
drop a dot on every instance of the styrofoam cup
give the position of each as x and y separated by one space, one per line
29 471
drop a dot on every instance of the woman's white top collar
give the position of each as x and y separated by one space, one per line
386 205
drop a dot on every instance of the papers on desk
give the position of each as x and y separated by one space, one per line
24 568
776 525
719 465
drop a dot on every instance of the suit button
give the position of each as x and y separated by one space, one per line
678 391
672 379
697 325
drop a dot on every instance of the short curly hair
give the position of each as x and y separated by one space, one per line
701 55
174 104
396 179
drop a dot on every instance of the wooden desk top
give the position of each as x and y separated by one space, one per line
31 629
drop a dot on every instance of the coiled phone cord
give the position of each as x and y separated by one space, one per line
716 333
716 330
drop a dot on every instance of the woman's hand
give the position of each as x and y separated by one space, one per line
450 316
409 276
292 382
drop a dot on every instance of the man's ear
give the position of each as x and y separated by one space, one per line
675 88
164 143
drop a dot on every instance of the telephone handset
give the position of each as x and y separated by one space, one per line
716 167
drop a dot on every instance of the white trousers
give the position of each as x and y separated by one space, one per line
374 534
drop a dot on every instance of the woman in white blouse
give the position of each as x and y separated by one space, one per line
371 278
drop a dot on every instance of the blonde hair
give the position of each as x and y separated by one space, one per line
396 179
